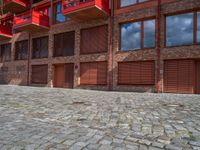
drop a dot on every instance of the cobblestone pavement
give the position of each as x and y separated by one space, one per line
44 118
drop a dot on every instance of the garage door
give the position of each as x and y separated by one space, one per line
64 75
93 73
179 76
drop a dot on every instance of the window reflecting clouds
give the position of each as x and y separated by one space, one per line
149 34
179 29
130 36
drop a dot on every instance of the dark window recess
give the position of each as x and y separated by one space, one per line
137 35
59 17
5 52
40 47
21 50
64 44
93 73
136 73
39 74
94 40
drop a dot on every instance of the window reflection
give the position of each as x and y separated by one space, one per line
124 3
179 29
130 36
198 27
149 34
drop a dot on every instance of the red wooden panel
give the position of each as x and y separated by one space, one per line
94 40
136 73
179 76
39 74
93 73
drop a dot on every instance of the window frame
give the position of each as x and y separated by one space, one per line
194 12
137 3
16 50
39 38
141 35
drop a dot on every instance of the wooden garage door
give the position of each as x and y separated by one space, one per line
93 73
94 40
136 73
179 76
64 75
39 74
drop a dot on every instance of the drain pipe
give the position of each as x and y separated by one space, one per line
158 45
28 57
110 56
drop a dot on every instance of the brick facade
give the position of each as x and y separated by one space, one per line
16 71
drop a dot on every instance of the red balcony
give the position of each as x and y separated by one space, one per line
6 24
85 9
31 21
16 6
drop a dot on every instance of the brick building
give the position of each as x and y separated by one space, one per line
127 45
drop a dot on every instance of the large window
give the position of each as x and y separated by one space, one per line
40 47
180 29
198 27
5 52
64 44
59 17
21 50
131 34
124 3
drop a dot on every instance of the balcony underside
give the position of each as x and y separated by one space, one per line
15 7
5 37
31 28
88 13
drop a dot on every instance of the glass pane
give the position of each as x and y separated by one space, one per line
149 34
127 2
130 36
198 27
179 30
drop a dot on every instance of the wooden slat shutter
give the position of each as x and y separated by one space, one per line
93 73
69 75
179 76
94 40
136 73
39 74
68 43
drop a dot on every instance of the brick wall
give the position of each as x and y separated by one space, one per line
17 70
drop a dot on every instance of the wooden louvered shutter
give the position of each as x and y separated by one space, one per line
136 73
94 40
69 75
102 73
93 73
84 73
39 74
179 76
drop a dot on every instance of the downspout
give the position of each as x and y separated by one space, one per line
158 45
29 51
110 57
28 57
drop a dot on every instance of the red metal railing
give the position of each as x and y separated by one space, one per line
72 3
31 17
23 2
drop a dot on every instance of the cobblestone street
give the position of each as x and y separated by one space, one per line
44 118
